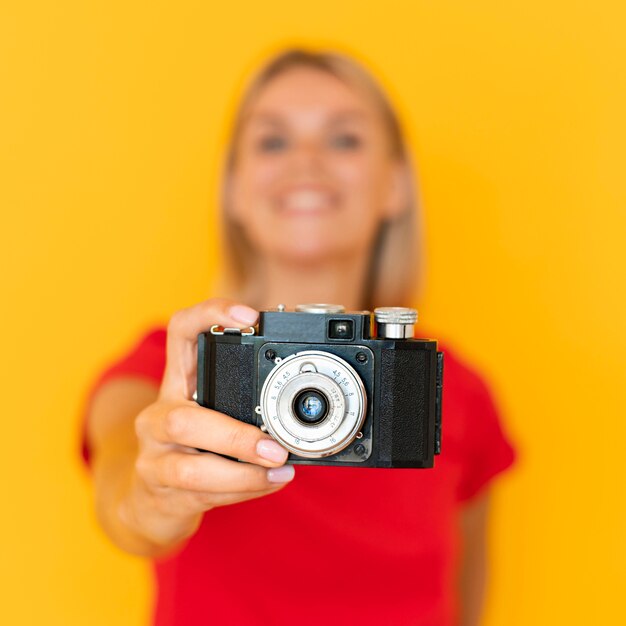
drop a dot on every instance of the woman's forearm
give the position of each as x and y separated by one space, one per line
116 506
122 509
112 438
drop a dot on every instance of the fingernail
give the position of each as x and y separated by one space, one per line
243 314
272 451
281 474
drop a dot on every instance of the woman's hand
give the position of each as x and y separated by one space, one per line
173 484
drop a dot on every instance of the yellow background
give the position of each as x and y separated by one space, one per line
112 121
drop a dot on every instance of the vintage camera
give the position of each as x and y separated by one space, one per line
332 387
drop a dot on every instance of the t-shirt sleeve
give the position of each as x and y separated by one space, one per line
487 450
146 359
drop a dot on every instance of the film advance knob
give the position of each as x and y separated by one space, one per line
395 322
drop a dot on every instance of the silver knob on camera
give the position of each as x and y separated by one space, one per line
317 307
395 322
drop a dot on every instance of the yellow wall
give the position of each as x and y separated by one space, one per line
111 125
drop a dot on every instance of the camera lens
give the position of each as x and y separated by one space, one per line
310 406
313 403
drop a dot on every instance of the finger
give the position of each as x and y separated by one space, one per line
214 474
179 379
197 427
223 499
194 502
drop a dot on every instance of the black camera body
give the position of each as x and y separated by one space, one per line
333 387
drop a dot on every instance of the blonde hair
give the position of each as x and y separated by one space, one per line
392 274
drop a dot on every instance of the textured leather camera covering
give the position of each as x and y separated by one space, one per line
234 365
403 409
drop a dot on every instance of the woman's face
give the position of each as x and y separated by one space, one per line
313 176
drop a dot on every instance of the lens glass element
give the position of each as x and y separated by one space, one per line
310 406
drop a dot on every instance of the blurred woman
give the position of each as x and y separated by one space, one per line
319 205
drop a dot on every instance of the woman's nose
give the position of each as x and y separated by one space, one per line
307 157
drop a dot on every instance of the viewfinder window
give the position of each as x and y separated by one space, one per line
341 329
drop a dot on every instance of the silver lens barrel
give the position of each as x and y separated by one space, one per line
327 375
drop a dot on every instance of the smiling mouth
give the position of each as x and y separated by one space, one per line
307 202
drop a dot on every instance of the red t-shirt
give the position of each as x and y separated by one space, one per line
337 545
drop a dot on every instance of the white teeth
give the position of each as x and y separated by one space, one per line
306 200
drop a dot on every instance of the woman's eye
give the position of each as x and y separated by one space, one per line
346 141
271 143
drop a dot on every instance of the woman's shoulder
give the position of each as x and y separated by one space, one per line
144 357
474 434
153 337
152 340
460 375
